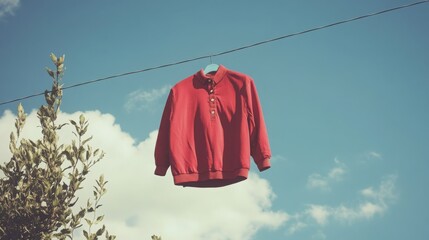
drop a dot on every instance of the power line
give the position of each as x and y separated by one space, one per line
223 52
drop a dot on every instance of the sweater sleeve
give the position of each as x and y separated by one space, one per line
259 143
162 147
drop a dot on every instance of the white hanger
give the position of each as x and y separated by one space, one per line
212 67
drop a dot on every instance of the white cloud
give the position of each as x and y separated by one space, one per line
336 173
371 202
296 227
375 202
278 158
368 210
139 204
385 192
323 182
144 99
348 214
368 192
8 7
319 213
373 155
318 181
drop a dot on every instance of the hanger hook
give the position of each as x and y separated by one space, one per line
211 59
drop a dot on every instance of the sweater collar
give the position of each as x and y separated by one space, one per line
216 77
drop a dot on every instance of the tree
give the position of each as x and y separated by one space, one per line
42 178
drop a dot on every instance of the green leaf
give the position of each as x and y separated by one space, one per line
82 155
85 170
86 140
50 72
99 219
88 221
96 152
101 179
66 231
53 58
83 131
12 137
82 119
61 59
81 213
73 203
101 231
73 122
61 126
21 111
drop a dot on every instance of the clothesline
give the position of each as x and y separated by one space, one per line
222 52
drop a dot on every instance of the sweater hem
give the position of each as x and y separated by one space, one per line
211 179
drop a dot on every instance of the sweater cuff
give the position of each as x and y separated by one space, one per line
264 164
160 170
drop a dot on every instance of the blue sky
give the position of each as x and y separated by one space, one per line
345 107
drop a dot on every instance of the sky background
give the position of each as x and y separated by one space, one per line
346 110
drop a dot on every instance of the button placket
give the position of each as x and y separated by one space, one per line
211 99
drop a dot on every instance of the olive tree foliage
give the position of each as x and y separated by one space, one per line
41 180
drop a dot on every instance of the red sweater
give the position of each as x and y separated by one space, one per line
210 127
